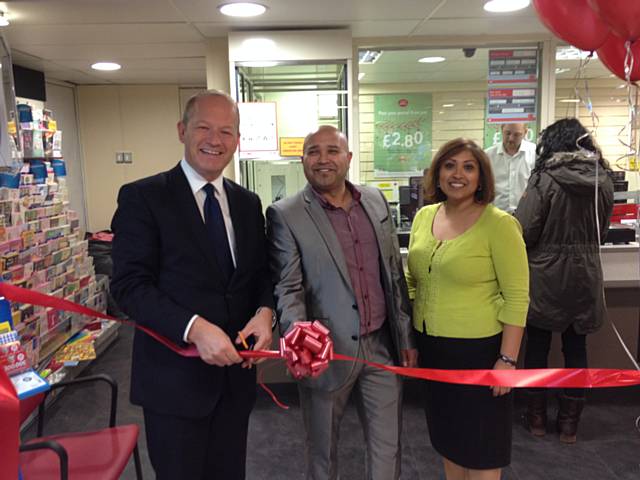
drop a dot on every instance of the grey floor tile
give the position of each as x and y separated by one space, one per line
607 448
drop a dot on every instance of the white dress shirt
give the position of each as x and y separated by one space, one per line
511 173
196 182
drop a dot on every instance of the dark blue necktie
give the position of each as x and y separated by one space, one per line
214 221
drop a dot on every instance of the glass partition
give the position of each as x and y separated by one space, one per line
449 89
280 104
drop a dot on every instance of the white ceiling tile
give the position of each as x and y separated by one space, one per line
92 53
101 34
319 12
481 26
474 9
383 28
67 12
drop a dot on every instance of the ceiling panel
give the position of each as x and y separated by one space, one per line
474 9
481 26
152 38
382 28
92 53
74 76
320 12
101 34
52 12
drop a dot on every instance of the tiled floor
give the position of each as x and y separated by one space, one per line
608 447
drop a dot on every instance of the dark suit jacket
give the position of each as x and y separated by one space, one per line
165 271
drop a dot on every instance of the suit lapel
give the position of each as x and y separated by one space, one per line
376 216
239 221
187 209
328 234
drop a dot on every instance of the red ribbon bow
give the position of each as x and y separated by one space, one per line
307 349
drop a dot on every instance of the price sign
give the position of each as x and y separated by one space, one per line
402 134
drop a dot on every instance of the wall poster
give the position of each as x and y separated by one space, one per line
402 134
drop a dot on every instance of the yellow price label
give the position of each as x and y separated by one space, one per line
291 146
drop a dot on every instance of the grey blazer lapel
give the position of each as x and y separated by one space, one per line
377 213
328 234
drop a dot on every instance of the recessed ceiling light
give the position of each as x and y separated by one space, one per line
622 85
431 59
106 66
570 100
562 70
259 64
242 9
259 43
448 105
501 6
369 56
573 53
4 21
361 75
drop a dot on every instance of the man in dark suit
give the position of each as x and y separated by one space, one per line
190 263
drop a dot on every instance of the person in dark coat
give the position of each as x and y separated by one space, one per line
562 233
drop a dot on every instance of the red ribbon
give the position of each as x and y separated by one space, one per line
23 295
9 428
534 377
548 377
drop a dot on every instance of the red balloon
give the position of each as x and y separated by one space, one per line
623 16
612 54
573 21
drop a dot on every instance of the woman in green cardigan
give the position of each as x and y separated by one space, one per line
469 281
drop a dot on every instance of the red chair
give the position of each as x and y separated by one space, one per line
96 455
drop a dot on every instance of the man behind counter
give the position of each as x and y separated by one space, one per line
512 162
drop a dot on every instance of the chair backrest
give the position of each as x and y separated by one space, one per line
28 405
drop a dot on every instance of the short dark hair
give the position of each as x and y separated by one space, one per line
191 104
432 191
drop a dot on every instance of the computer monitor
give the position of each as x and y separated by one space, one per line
416 197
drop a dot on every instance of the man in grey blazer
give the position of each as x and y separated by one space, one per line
335 257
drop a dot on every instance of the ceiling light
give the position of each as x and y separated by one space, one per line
4 21
570 100
622 85
431 59
361 75
106 66
242 9
501 6
258 43
573 53
259 64
562 70
369 56
448 105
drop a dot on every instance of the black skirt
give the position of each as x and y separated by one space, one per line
467 424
